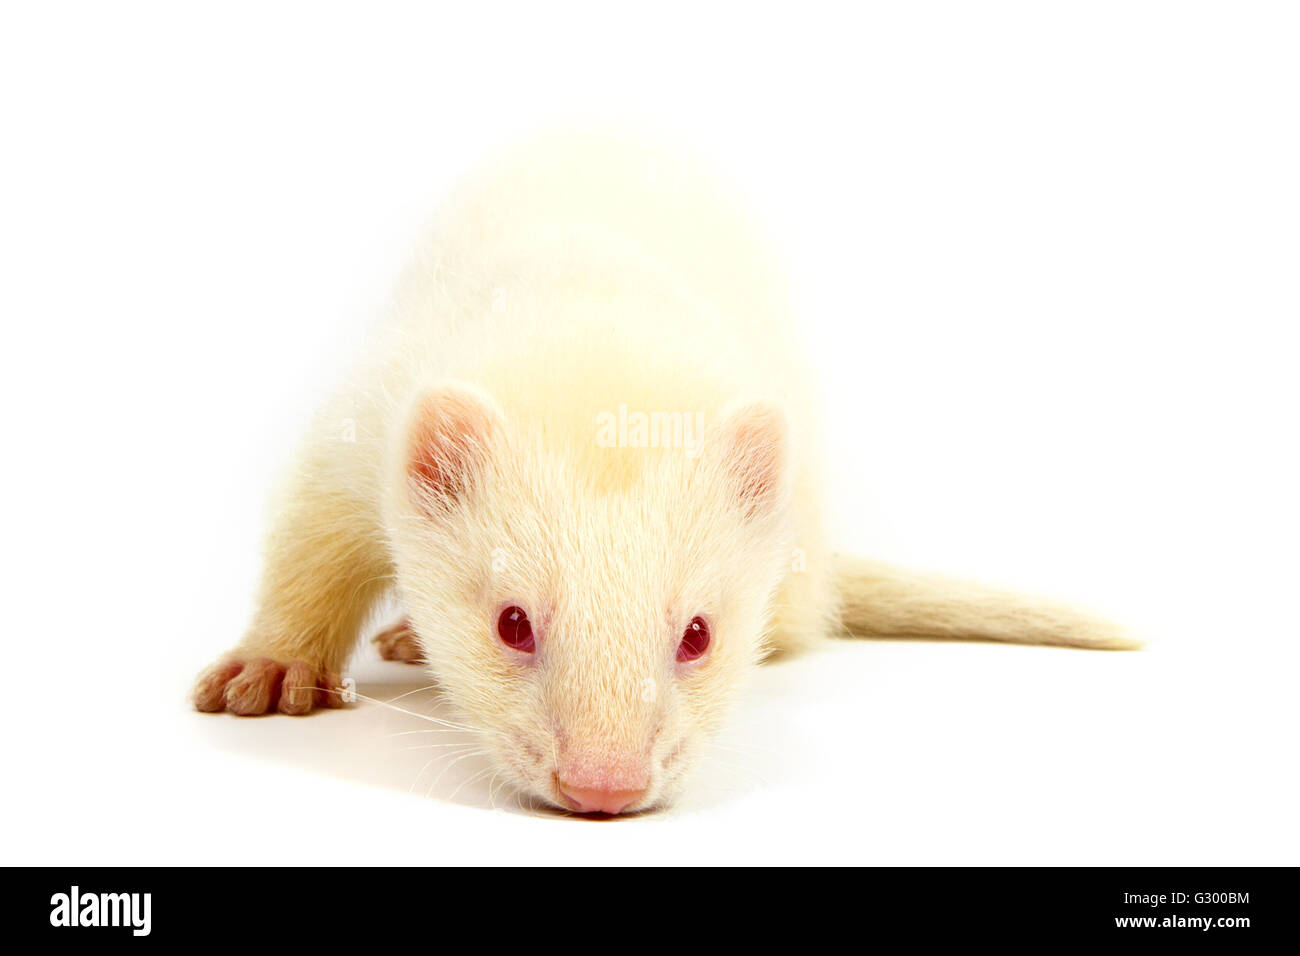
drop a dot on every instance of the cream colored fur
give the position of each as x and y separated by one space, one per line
878 600
576 276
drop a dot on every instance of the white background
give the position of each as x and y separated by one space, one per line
1046 256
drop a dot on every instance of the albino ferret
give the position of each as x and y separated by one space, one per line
584 454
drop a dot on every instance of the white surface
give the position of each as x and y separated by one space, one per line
1047 261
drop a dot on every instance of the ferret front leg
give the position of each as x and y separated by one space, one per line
326 565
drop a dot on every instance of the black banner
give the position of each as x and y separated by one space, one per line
359 906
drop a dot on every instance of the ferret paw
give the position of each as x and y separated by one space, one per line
399 643
258 685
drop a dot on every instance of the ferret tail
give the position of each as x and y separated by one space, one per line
877 600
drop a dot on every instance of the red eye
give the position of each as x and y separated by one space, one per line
514 629
694 642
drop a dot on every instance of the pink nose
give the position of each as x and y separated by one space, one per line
593 800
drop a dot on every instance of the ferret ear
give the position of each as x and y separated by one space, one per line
453 430
753 446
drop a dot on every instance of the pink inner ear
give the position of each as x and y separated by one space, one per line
756 454
449 439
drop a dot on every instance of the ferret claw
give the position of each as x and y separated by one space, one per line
252 686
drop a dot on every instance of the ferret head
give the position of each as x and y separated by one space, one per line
591 617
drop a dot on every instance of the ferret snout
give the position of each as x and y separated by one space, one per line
602 783
595 800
